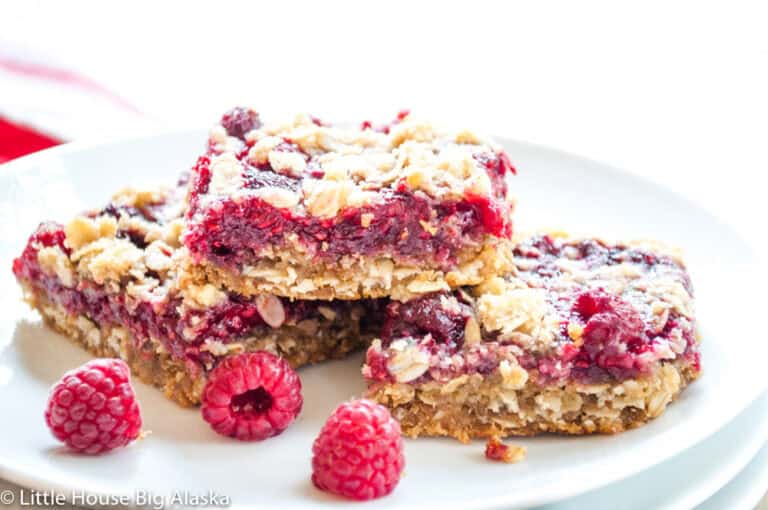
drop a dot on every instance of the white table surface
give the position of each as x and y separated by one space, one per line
674 91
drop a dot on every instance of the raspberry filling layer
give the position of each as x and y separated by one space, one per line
616 339
237 232
602 336
437 332
183 335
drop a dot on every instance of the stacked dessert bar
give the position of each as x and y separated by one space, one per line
311 240
111 279
309 211
582 337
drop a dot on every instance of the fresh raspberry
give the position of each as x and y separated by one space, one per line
252 396
359 452
93 409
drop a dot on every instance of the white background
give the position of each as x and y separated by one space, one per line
676 91
673 90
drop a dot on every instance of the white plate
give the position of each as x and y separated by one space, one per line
554 189
708 467
745 491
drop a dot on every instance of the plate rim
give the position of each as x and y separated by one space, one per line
752 437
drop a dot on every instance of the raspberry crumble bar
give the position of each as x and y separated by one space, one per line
583 337
110 281
307 210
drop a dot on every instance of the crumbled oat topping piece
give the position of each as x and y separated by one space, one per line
271 310
497 451
83 230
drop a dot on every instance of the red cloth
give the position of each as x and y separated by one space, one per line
51 92
17 140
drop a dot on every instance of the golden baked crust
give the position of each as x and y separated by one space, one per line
352 279
472 406
175 378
